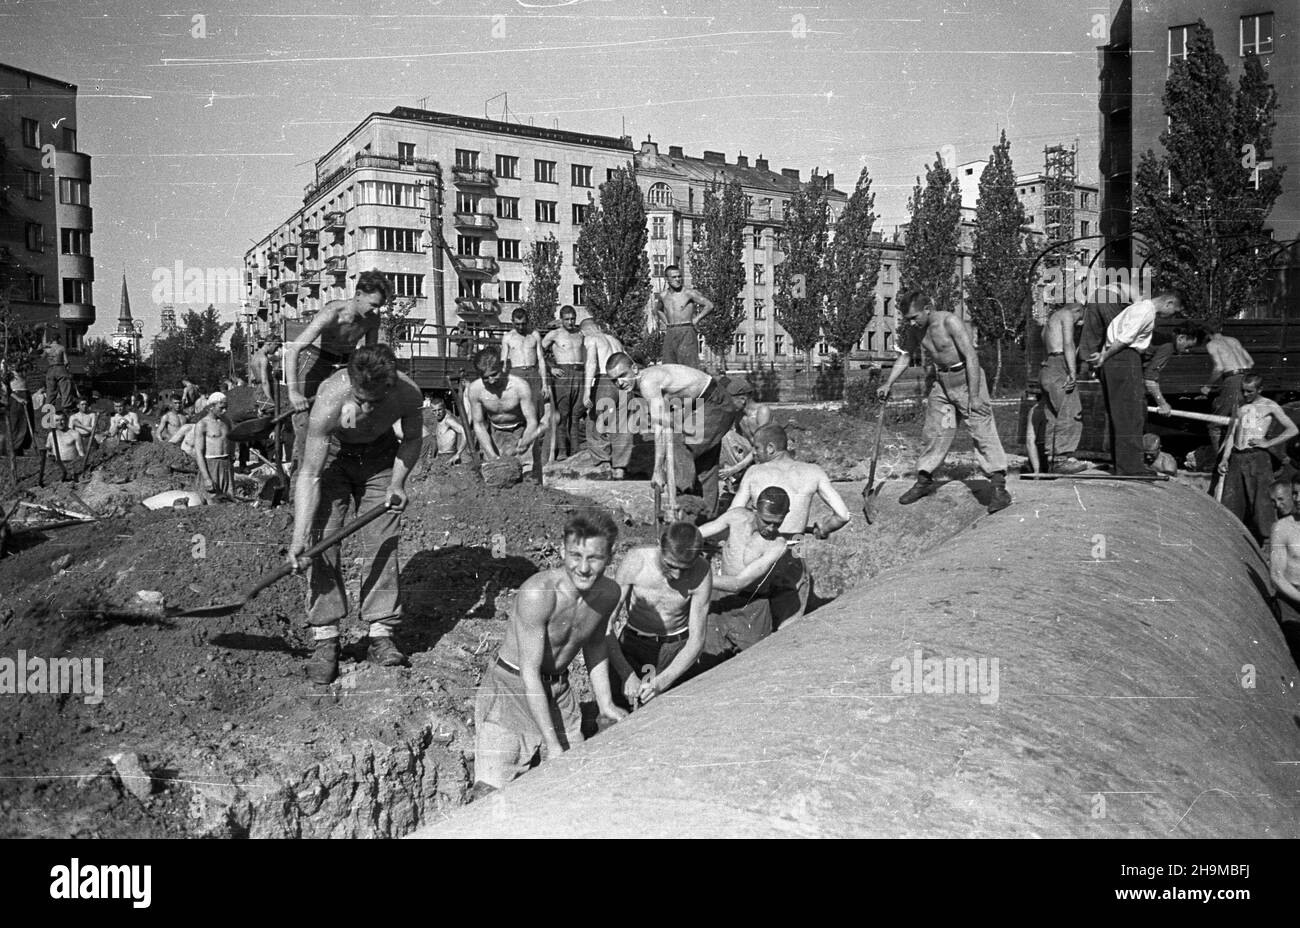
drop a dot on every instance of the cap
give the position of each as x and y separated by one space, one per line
216 397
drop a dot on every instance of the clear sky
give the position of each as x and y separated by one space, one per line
201 145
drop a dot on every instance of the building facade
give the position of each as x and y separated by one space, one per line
1144 40
446 206
45 215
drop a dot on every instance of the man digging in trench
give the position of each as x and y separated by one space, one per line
352 455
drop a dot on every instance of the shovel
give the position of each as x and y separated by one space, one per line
871 491
285 570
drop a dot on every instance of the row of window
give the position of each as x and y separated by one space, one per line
660 196
507 167
508 208
511 291
75 290
1254 37
72 192
32 135
71 241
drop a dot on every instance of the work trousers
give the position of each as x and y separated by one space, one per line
568 410
1121 382
1064 411
950 403
704 425
356 477
681 345
1225 403
607 435
1245 490
58 387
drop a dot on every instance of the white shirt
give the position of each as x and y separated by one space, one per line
1134 326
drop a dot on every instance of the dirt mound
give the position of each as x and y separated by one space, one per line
128 461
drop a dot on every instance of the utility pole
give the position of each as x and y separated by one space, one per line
436 248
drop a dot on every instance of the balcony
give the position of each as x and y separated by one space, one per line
336 263
475 222
477 306
309 236
333 221
309 274
473 177
367 160
77 313
289 253
273 257
477 264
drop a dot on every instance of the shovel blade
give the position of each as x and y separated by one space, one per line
216 610
869 495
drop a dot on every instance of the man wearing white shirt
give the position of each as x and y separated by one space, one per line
1120 363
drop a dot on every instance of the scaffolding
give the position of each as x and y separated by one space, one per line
1059 181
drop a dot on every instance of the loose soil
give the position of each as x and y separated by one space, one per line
208 726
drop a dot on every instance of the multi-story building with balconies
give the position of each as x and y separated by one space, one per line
45 215
674 186
446 206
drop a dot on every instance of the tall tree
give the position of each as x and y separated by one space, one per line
852 268
193 351
930 253
1200 208
238 348
542 263
800 293
1000 291
717 265
392 321
612 262
108 367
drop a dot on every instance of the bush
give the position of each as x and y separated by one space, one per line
860 400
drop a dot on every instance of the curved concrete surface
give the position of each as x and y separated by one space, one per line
1142 690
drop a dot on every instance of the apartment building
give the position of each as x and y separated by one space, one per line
446 206
674 184
1144 40
45 215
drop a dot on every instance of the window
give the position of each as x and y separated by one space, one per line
469 288
871 341
760 309
36 288
508 249
888 336
511 291
466 158
778 209
545 211
406 284
508 166
374 238
758 241
466 202
69 139
575 254
543 171
32 184
658 227
1178 36
741 342
779 343
507 207
1083 199
405 153
758 274
889 273
387 193
760 346
74 242
1084 225
74 192
581 174
888 309
76 290
1257 34
823 348
468 245
35 236
690 199
31 133
658 265
697 230
659 194
580 213
579 294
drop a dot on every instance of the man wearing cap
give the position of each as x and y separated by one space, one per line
667 588
212 451
744 595
707 413
1120 363
526 711
679 311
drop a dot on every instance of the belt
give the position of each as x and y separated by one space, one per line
1236 451
662 639
362 449
1056 354
508 667
959 366
1244 370
679 325
572 367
